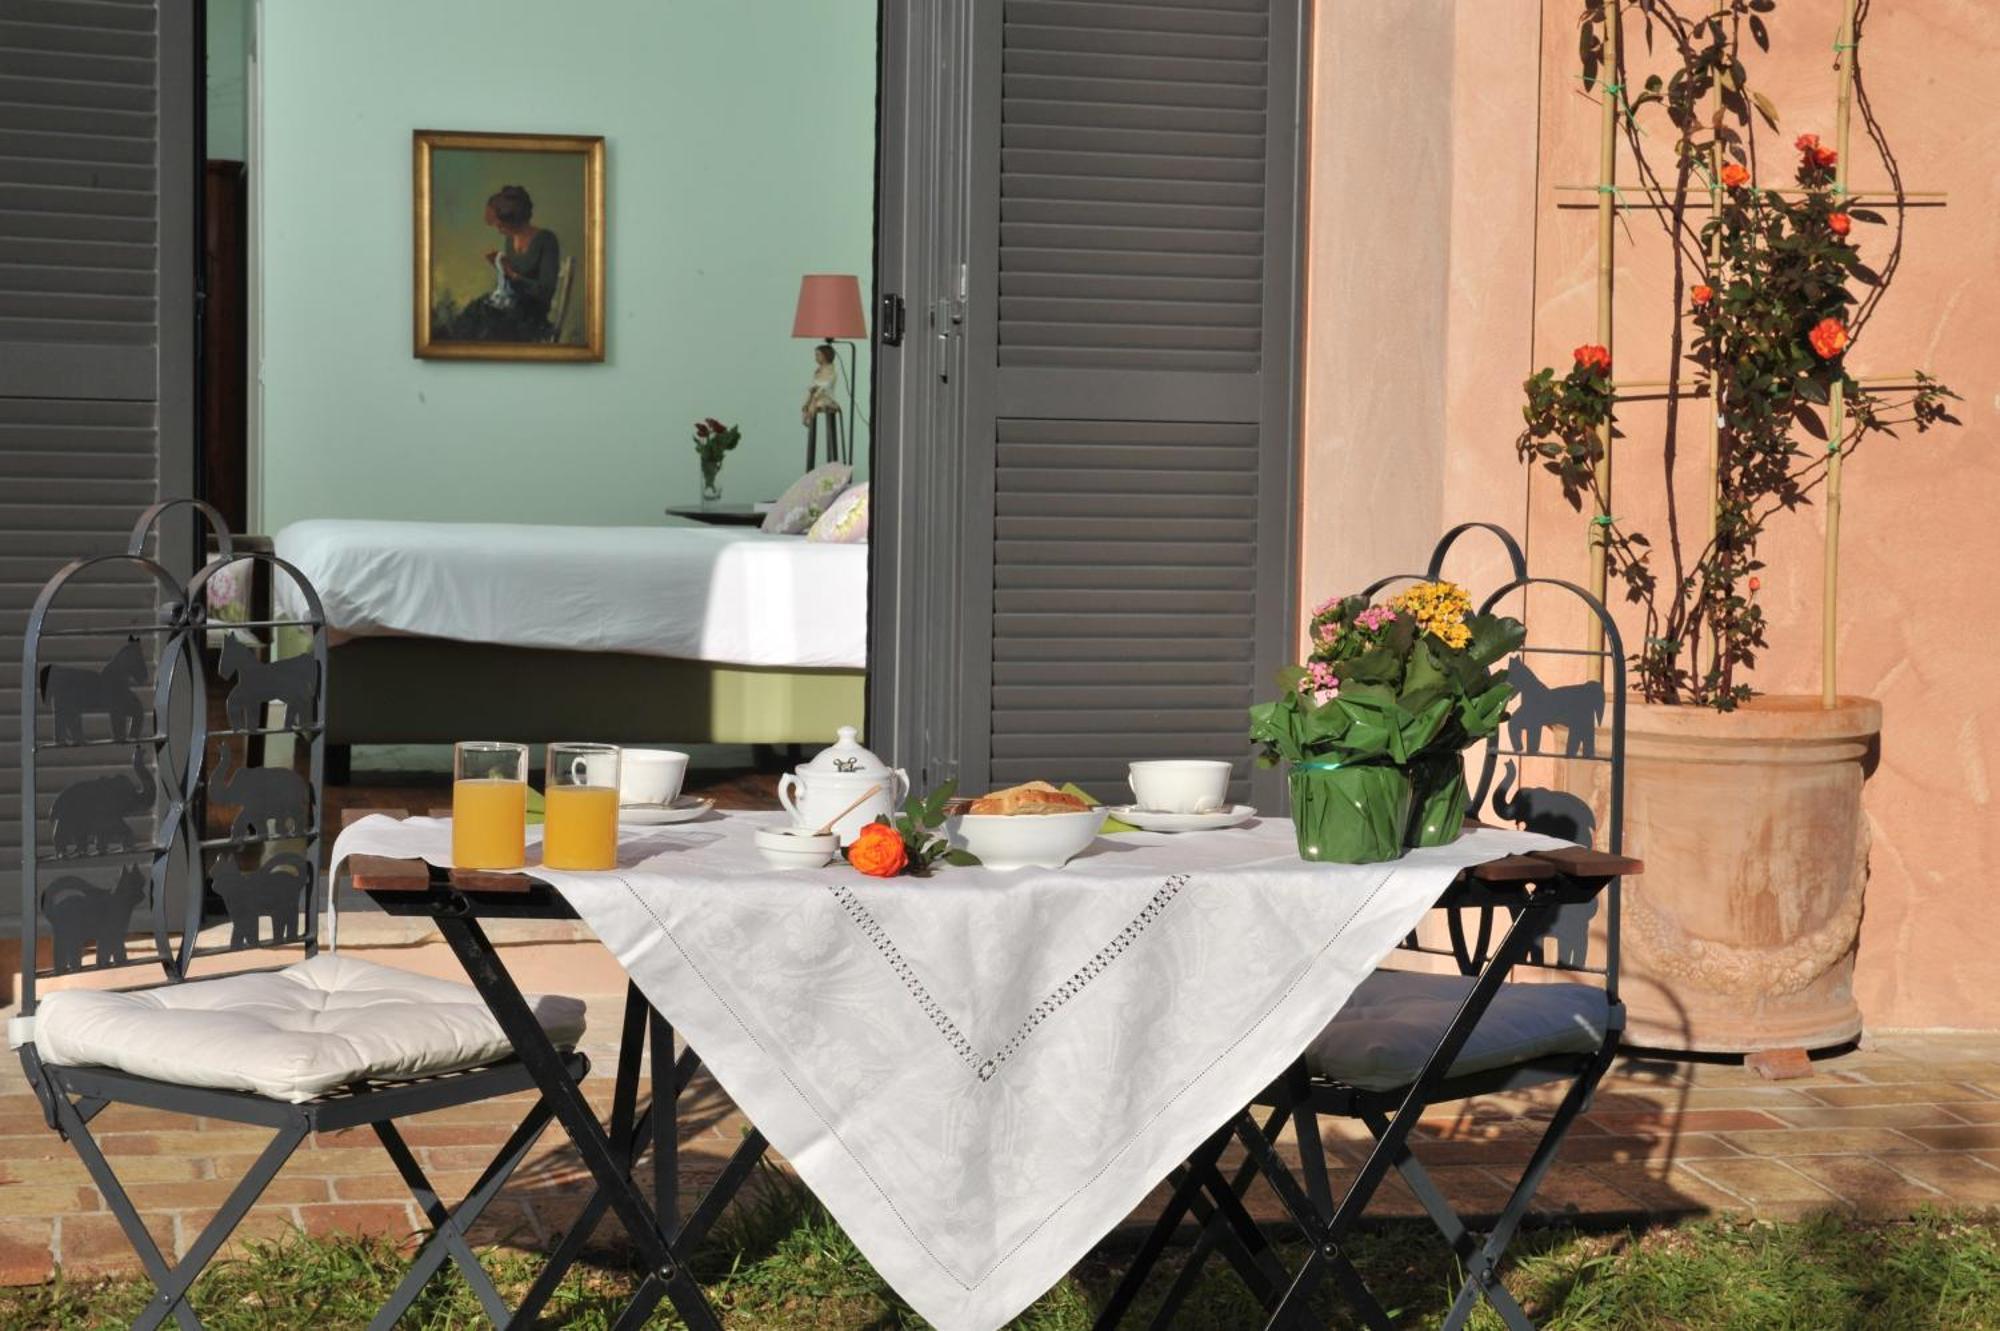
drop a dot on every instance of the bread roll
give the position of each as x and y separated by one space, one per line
1033 797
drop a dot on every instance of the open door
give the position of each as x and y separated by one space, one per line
1110 360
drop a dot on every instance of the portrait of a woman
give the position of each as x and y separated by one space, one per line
510 246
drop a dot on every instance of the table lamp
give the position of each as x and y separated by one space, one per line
830 309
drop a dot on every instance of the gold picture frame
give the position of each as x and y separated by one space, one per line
523 297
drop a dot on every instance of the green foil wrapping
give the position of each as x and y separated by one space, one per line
1350 815
1438 799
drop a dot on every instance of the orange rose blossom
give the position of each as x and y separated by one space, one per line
1828 337
1735 175
878 851
1702 294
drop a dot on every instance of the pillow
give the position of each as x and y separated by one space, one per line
845 521
806 498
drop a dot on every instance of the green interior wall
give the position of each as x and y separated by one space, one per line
739 156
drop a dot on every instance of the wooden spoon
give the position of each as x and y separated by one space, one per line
866 795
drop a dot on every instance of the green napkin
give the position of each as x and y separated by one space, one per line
1111 825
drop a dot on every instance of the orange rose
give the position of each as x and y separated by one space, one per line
1735 175
1810 149
1594 358
1828 337
1839 223
1756 585
1701 295
878 851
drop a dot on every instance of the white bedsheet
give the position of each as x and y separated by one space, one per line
730 595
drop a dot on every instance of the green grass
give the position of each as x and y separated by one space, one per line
781 1264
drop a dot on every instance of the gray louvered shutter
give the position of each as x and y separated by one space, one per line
81 244
1134 383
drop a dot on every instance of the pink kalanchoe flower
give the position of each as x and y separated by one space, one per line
1374 617
1319 683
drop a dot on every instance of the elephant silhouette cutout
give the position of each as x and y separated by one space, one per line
81 914
274 801
1555 813
74 692
1578 708
274 891
95 814
292 682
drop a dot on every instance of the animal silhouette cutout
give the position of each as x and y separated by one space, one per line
1555 813
1578 708
274 891
95 814
74 692
292 682
81 914
274 801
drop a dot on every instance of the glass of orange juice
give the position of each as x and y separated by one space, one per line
580 829
489 805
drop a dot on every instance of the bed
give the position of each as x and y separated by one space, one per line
693 634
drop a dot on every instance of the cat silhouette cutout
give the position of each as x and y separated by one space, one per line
274 890
95 814
83 915
292 682
1577 708
271 801
75 692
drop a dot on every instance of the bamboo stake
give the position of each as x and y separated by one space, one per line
1836 415
1712 496
1607 234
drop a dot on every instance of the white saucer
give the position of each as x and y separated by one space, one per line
1148 821
685 809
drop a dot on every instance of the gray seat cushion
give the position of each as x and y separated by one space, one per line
1388 1029
294 1034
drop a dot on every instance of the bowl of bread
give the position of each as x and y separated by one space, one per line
1028 826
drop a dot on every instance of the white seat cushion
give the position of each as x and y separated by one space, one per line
293 1034
1387 1031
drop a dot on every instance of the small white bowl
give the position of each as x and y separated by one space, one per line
796 847
1025 840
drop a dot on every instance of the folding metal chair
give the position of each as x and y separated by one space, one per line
219 1045
1412 1039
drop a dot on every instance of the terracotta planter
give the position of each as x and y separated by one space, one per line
1740 935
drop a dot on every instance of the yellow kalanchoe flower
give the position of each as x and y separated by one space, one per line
1439 608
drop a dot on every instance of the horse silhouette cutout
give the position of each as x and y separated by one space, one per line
95 814
273 801
1577 708
81 914
274 891
292 682
75 692
1555 813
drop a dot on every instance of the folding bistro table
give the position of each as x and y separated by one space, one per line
979 1074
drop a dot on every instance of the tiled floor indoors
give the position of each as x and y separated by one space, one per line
1905 1122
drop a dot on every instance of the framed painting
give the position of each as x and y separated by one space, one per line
509 246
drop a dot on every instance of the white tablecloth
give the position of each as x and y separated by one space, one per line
980 1074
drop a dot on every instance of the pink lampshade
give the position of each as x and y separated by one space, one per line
829 306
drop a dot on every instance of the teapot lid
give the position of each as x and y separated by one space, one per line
845 757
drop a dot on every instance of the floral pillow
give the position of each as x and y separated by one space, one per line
845 522
806 498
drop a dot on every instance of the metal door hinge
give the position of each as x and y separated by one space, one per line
889 321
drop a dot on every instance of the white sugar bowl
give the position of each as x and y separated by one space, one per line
837 777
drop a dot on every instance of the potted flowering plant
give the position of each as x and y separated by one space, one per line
1741 937
1373 723
712 439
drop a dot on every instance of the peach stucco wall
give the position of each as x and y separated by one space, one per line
1441 272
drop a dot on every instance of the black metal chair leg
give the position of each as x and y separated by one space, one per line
449 1226
1178 1203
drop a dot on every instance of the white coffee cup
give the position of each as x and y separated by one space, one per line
1180 785
651 776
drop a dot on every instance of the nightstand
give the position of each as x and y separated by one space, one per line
722 515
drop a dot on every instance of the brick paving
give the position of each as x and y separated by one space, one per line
1906 1122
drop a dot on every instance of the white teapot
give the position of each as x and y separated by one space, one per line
834 779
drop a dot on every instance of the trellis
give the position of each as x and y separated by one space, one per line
1610 200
